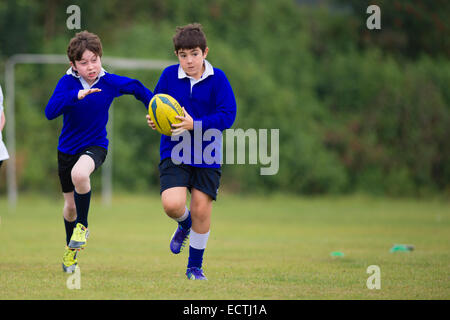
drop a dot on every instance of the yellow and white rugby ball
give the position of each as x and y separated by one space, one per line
162 110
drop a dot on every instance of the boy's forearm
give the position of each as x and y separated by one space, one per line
137 89
59 101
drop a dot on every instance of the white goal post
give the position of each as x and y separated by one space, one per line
113 63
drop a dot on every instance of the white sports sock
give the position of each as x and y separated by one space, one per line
184 216
198 240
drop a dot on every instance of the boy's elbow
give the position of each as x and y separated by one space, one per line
229 124
230 119
226 123
49 115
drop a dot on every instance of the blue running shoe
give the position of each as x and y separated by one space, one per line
178 240
195 273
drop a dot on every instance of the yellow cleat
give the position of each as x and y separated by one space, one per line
69 260
79 237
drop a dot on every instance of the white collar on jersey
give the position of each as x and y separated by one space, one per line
85 85
209 71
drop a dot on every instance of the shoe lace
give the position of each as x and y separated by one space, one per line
185 235
69 255
81 232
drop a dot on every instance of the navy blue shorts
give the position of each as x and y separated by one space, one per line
206 180
67 161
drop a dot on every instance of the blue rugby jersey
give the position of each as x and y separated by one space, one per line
84 121
209 100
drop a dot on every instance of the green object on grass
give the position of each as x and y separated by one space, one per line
402 248
337 254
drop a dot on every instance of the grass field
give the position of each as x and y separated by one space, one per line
259 248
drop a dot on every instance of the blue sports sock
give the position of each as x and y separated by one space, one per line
195 257
186 223
197 247
69 229
82 202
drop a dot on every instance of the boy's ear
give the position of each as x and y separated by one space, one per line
73 66
205 53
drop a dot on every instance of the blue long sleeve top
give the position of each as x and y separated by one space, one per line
84 121
210 101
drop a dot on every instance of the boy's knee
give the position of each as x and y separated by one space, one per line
199 215
174 208
201 204
70 206
79 177
70 211
200 211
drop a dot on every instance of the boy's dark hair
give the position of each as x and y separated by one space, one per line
83 41
189 37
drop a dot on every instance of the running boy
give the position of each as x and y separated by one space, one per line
209 103
83 96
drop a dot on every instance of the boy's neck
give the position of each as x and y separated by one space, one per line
90 83
199 75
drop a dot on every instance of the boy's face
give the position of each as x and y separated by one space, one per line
191 60
88 67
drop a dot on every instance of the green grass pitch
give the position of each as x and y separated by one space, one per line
274 247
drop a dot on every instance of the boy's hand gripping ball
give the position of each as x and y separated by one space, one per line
162 110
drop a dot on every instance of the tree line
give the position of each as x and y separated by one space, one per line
357 110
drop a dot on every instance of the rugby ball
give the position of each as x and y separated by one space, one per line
162 110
